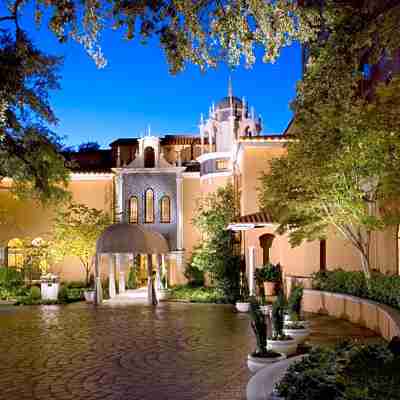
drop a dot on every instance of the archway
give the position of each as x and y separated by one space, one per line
266 244
149 157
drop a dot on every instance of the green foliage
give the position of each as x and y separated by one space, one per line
215 255
10 277
76 230
381 288
29 151
268 273
132 282
294 302
35 293
343 162
259 325
348 372
197 294
278 311
194 275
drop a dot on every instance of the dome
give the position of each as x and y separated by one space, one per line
130 238
226 103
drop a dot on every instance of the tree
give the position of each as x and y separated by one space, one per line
341 169
29 151
88 146
215 254
76 229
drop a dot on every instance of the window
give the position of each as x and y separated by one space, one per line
149 206
133 210
165 210
222 164
149 157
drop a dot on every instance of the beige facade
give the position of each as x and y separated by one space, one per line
176 171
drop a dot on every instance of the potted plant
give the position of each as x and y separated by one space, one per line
293 314
280 342
261 357
265 306
269 275
243 302
89 295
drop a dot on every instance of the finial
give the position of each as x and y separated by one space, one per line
148 130
230 90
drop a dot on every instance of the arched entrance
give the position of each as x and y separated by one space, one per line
149 157
124 239
266 244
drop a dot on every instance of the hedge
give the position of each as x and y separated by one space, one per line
382 288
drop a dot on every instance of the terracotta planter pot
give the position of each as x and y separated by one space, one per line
269 288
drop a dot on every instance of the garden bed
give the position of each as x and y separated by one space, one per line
201 294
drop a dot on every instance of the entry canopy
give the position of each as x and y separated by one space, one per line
130 238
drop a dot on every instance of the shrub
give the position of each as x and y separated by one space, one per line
278 315
294 301
268 273
197 294
382 288
194 275
348 372
35 293
10 277
132 282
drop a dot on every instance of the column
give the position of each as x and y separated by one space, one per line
159 285
121 274
111 277
252 262
98 291
151 295
179 209
210 142
164 270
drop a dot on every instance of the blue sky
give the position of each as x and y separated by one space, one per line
135 89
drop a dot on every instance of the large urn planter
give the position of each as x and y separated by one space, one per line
255 363
289 321
243 307
89 295
269 288
49 287
163 294
266 309
299 333
286 346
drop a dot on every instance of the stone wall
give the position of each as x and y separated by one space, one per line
380 318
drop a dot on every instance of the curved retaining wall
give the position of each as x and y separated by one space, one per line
380 318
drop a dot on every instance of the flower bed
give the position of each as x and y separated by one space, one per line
383 289
197 294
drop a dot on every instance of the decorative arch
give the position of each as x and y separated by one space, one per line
149 206
134 210
149 157
266 244
165 210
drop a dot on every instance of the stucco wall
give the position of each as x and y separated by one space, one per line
254 161
191 193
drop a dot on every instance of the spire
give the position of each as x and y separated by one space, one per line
201 119
230 90
148 130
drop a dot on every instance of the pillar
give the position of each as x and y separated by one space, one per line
121 274
98 291
151 295
111 277
164 270
159 284
252 262
179 207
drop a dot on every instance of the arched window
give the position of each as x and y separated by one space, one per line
133 210
266 244
165 210
149 157
149 206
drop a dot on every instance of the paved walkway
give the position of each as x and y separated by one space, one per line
137 352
